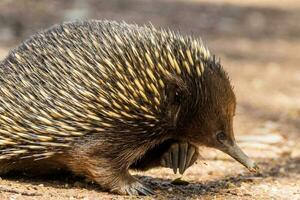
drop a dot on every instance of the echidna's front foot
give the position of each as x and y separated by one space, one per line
138 188
180 155
133 188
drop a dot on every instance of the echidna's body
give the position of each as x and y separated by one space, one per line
98 97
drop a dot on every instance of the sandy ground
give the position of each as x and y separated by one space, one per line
258 43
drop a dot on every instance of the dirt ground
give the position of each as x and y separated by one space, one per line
258 43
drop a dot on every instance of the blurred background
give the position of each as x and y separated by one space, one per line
258 42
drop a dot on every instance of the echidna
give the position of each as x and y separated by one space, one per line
99 98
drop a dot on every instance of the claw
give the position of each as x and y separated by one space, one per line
130 191
175 152
138 188
182 159
191 152
143 190
181 156
193 160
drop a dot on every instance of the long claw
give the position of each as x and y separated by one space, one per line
143 190
175 152
183 148
191 151
150 191
137 188
181 156
132 192
193 160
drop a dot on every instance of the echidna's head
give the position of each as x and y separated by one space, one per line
206 108
211 121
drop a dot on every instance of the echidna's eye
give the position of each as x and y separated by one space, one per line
221 136
177 97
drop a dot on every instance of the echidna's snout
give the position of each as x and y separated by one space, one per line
236 152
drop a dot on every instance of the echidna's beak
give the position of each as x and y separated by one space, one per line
235 152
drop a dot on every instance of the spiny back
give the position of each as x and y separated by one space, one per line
95 77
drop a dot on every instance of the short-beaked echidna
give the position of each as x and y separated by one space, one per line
99 98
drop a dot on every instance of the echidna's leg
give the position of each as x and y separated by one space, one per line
180 155
120 182
104 169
